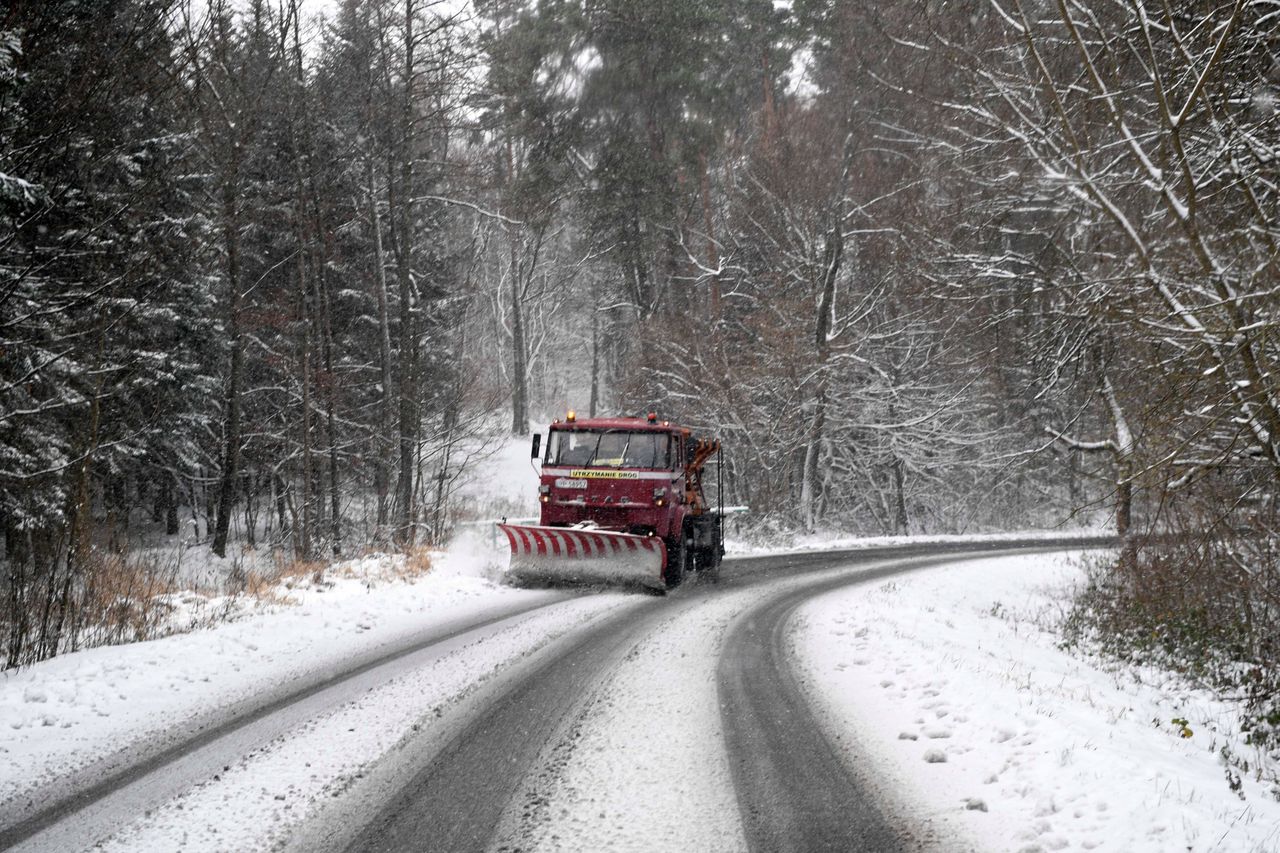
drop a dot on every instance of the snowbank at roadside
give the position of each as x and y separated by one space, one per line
830 541
952 681
64 714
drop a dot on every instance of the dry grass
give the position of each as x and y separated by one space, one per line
290 571
367 565
124 597
289 567
271 586
266 590
106 597
416 563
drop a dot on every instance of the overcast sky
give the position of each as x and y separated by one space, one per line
316 7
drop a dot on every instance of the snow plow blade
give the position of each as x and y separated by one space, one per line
571 555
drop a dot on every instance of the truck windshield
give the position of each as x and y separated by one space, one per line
609 449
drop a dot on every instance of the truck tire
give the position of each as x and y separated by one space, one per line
677 564
710 565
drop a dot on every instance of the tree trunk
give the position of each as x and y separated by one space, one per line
519 366
169 493
832 259
330 403
17 554
519 348
65 615
250 511
235 373
449 428
708 224
1124 502
809 480
810 486
900 521
207 496
382 441
303 546
595 361
403 248
408 409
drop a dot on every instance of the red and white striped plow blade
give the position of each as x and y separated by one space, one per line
573 555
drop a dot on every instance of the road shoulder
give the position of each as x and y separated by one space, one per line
950 680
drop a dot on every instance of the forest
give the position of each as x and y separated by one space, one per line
271 278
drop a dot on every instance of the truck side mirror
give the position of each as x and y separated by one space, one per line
537 445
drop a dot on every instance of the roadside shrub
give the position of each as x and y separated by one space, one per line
1203 602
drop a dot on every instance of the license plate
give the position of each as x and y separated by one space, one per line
566 483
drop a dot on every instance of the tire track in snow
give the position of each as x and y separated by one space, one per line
643 766
158 779
646 764
794 792
261 801
99 809
547 767
454 802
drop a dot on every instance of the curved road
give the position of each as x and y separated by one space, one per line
454 790
793 792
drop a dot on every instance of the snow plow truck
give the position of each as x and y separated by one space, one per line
622 502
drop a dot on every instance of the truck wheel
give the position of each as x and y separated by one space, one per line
677 564
709 566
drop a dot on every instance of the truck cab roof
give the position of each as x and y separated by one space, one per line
630 424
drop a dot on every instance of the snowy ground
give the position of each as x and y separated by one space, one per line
951 680
64 714
503 482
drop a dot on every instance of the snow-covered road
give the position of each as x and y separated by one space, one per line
83 716
603 722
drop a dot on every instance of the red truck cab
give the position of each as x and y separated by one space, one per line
623 474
